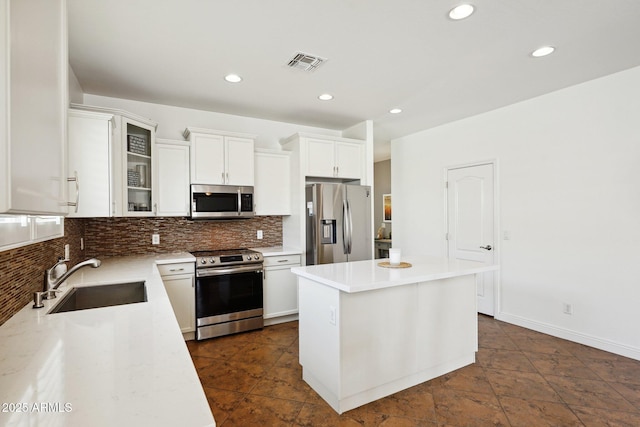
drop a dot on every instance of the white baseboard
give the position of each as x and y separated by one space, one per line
567 334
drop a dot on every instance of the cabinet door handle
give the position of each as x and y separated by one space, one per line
155 209
283 260
75 178
226 175
223 178
177 269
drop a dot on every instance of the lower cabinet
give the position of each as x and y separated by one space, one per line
280 289
179 282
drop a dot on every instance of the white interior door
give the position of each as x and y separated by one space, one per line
470 211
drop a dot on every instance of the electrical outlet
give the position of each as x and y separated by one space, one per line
332 315
567 308
259 234
155 239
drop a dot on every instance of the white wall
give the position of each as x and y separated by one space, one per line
569 195
172 121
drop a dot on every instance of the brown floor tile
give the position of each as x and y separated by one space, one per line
464 408
284 383
232 375
262 354
220 348
595 417
539 413
222 402
414 403
521 378
504 359
469 378
619 370
630 392
263 411
523 385
546 345
500 341
556 364
589 393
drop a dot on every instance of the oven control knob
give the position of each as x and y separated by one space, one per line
203 261
248 257
256 257
212 261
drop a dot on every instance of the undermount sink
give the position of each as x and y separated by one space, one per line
86 297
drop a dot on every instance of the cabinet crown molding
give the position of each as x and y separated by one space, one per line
300 135
116 112
189 130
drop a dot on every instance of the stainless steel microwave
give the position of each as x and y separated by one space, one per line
221 202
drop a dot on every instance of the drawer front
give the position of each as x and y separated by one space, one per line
179 268
273 261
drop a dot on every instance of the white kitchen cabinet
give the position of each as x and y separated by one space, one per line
171 169
90 164
280 288
179 282
334 159
138 151
33 106
329 157
130 157
272 190
221 158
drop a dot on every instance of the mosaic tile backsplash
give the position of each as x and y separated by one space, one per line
22 269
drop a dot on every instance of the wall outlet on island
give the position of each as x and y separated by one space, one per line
567 308
259 235
155 239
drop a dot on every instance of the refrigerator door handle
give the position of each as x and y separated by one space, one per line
350 219
345 227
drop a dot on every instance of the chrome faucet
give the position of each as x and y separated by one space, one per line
51 284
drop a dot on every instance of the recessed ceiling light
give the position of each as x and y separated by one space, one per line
395 111
233 78
460 12
325 97
543 51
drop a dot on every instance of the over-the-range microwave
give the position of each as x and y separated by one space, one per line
221 202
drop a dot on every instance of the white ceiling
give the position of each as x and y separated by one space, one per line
381 54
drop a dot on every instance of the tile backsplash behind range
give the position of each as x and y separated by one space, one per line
107 237
22 269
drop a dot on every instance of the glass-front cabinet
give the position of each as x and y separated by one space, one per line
138 153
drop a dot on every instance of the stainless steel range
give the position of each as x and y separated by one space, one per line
228 292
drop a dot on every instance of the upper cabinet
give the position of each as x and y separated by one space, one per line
111 163
90 164
138 145
272 192
171 171
329 157
221 158
33 106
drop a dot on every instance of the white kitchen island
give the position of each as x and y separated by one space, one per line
367 332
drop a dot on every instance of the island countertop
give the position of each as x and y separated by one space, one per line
113 366
360 276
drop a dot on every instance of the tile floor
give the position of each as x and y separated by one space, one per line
520 378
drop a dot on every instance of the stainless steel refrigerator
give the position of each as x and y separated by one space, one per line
338 218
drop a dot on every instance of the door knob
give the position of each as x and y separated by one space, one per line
488 247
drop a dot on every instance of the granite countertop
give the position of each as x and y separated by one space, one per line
125 365
367 275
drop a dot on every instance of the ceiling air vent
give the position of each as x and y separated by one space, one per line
305 62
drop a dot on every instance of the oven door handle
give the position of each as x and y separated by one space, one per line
231 270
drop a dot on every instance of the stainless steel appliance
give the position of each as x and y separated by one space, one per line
338 223
221 202
228 292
